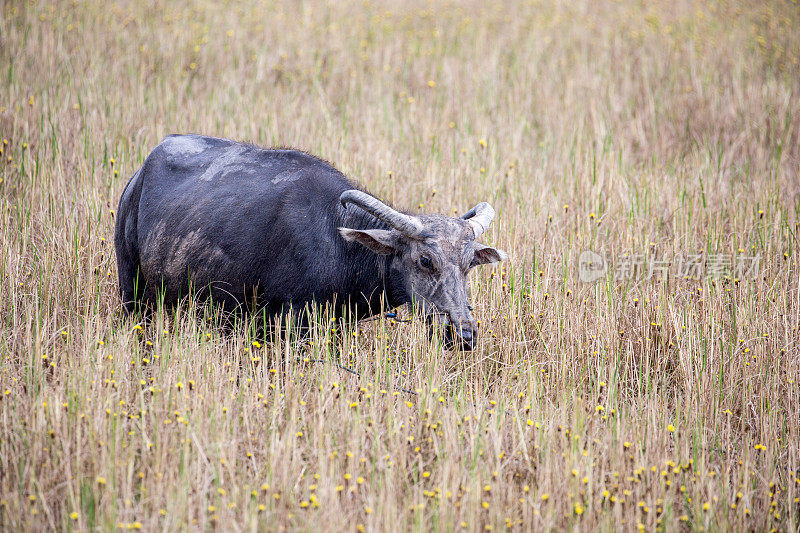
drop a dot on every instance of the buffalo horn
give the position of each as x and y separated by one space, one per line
479 217
405 224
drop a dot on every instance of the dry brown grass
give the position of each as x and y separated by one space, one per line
654 128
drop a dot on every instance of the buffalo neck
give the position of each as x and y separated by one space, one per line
371 274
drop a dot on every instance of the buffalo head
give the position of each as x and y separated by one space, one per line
429 258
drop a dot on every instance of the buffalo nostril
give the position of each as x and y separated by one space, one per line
467 339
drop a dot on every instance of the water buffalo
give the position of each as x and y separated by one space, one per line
271 230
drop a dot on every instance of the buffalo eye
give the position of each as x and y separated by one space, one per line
425 262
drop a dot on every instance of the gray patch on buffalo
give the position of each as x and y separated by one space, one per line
222 164
167 255
184 145
287 175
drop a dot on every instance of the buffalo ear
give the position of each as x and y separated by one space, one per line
380 241
485 255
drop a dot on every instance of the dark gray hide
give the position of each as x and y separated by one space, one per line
268 230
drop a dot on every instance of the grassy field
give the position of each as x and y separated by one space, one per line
659 130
